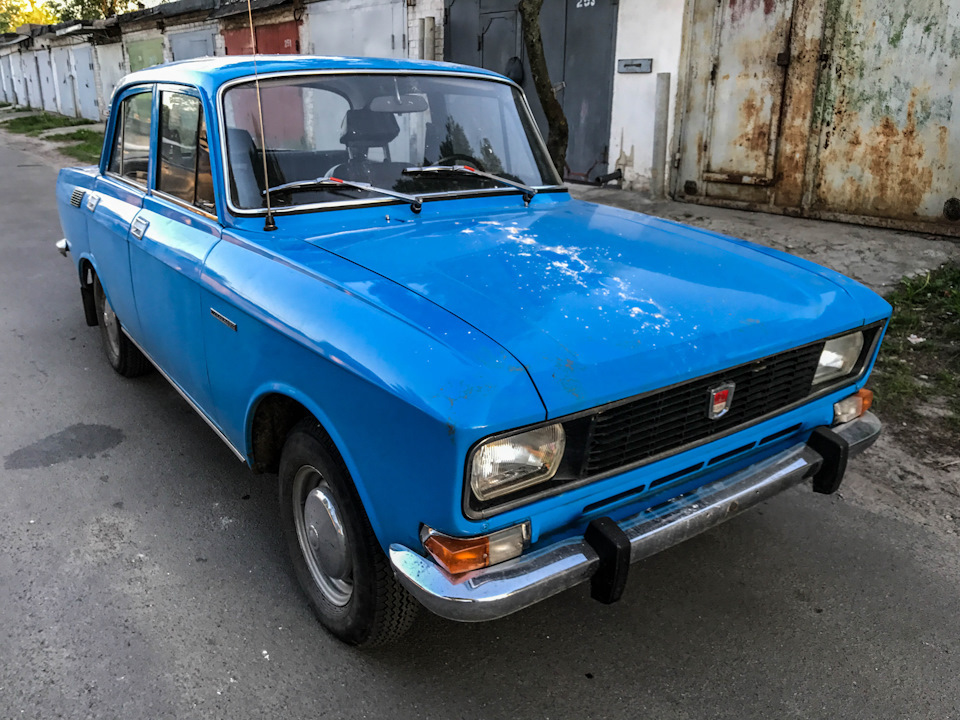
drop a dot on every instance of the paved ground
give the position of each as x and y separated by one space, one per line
143 575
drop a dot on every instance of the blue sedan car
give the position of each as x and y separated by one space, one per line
476 392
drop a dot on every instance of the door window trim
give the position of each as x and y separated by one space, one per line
117 126
155 190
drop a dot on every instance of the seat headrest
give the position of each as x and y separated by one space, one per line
366 128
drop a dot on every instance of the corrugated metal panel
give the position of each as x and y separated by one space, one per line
890 140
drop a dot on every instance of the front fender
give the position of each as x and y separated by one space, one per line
402 387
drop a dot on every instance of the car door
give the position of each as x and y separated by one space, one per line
117 197
170 239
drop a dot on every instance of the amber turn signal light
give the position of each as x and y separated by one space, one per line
852 407
461 554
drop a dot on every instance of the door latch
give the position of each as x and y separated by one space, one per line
139 227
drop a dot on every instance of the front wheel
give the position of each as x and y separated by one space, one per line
122 354
336 556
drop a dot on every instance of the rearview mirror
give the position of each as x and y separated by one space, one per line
399 104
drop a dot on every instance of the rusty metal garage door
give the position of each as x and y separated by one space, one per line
839 109
890 139
750 53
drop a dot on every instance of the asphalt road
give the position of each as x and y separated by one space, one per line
142 574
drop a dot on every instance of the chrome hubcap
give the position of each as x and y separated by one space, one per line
111 325
323 540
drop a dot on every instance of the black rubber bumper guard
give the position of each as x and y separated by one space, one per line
612 544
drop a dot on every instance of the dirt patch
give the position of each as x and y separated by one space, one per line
918 371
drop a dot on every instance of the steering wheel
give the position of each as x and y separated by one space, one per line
474 163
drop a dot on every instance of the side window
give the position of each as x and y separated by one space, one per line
131 148
184 167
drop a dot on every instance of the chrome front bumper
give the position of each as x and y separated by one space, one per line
502 589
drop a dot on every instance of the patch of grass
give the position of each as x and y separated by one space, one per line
86 151
33 125
917 376
77 136
5 104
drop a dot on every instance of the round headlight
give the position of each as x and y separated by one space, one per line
516 462
839 357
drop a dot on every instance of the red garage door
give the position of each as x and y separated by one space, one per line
283 111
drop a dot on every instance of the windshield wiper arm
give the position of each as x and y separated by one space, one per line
415 203
528 192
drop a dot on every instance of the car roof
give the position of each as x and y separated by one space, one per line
209 73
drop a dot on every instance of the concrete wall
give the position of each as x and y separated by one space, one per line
425 10
644 30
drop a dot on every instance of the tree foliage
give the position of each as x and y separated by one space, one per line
14 13
91 9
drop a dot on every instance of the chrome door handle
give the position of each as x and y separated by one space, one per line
139 227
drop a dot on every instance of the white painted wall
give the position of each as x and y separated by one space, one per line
644 30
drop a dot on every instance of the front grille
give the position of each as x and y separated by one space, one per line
77 197
663 421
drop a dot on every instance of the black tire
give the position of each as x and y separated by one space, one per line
364 605
123 355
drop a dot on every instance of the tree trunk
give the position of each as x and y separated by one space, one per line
556 121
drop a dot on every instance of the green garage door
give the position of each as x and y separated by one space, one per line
145 53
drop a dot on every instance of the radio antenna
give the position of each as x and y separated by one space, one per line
269 224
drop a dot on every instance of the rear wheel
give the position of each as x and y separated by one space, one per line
122 354
336 556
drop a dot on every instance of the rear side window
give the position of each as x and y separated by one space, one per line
184 167
131 147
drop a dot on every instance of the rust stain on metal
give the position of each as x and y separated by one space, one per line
739 8
755 120
896 175
798 107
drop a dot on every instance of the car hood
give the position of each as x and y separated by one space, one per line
597 303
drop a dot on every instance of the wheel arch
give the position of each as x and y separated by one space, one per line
272 414
86 266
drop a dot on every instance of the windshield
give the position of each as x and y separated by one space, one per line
369 129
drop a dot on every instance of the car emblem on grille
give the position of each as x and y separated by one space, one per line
720 400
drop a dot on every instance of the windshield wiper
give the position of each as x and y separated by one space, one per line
528 192
415 203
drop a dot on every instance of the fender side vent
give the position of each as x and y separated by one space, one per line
77 198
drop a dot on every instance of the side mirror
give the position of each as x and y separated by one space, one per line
514 70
